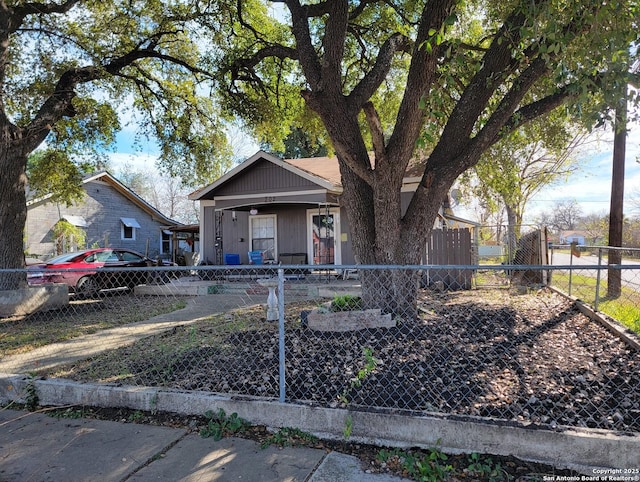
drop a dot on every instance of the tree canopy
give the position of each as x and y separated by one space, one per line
513 170
78 70
73 72
438 82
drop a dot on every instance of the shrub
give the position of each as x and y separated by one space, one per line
347 303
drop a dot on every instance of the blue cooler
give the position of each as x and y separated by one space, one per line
231 258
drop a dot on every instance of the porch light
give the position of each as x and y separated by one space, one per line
234 216
253 211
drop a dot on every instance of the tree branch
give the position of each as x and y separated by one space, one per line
531 111
307 55
19 12
498 64
494 126
372 80
420 78
59 102
333 44
377 135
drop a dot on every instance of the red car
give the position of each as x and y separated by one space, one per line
83 271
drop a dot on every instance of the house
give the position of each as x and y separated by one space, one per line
571 237
281 210
110 214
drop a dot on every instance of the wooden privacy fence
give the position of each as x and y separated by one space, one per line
450 247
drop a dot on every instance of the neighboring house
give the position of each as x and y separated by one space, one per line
570 237
111 215
282 208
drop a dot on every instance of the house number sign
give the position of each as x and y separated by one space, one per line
269 199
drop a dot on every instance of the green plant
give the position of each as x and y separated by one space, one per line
346 303
348 427
70 413
31 394
220 425
432 467
427 467
67 235
135 416
289 437
485 469
370 364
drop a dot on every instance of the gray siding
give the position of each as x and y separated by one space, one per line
38 230
102 209
291 231
276 198
264 177
346 244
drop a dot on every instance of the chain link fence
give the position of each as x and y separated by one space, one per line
329 336
504 245
602 276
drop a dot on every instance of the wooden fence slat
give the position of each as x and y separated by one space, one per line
450 247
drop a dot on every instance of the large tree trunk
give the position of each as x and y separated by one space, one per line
378 243
13 208
382 236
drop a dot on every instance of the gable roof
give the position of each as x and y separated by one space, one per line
105 176
303 170
323 171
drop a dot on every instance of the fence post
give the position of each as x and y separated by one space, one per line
281 358
570 268
598 279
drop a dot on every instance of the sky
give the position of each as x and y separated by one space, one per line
144 156
590 185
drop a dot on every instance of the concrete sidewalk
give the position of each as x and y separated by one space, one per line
36 447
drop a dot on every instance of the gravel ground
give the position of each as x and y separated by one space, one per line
530 358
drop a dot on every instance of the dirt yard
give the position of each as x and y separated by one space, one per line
531 358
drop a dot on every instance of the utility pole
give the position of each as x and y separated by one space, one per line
614 278
616 219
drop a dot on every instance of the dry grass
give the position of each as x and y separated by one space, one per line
21 334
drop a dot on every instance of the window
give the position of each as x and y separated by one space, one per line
129 226
263 235
102 256
127 256
165 247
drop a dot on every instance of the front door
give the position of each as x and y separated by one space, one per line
323 236
263 235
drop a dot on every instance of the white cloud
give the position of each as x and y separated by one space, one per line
137 161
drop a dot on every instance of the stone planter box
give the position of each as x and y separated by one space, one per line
32 299
322 320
